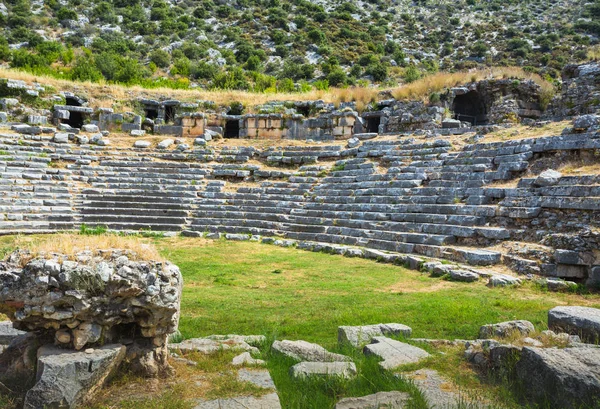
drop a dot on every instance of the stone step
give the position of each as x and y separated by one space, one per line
87 211
131 218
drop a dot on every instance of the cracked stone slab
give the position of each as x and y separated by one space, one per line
437 391
363 334
306 351
394 353
270 401
379 400
306 369
258 377
210 346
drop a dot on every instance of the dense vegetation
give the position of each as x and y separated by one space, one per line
274 45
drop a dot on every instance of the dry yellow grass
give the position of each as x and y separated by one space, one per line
580 168
117 96
70 244
524 132
422 88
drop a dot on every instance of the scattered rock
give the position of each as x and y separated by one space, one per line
501 280
306 369
505 329
61 137
548 178
137 132
246 359
353 142
463 275
394 353
379 400
584 122
305 351
67 379
90 128
165 144
142 144
582 321
360 335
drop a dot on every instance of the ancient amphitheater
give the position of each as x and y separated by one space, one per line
473 187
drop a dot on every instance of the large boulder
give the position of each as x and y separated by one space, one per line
361 335
562 378
582 321
67 378
106 297
305 351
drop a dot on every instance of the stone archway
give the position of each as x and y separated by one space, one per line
471 107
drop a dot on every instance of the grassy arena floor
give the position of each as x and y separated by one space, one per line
285 293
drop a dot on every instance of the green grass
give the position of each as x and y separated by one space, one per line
248 288
286 293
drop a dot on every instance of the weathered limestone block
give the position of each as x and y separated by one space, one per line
109 297
394 353
307 369
379 400
582 321
565 378
504 329
360 335
305 351
67 378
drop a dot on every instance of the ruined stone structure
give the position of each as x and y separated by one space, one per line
413 194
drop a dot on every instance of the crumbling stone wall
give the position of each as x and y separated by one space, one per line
580 91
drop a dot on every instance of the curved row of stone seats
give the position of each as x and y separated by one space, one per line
237 154
282 212
570 192
140 194
299 155
35 196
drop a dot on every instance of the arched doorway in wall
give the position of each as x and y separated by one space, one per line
470 107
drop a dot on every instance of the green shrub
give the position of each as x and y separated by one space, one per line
161 58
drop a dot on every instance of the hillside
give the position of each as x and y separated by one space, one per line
277 46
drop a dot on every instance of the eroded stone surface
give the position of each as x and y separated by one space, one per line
361 335
107 297
210 346
394 353
306 351
305 369
246 359
270 401
67 378
379 400
504 329
8 332
582 321
567 378
257 377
